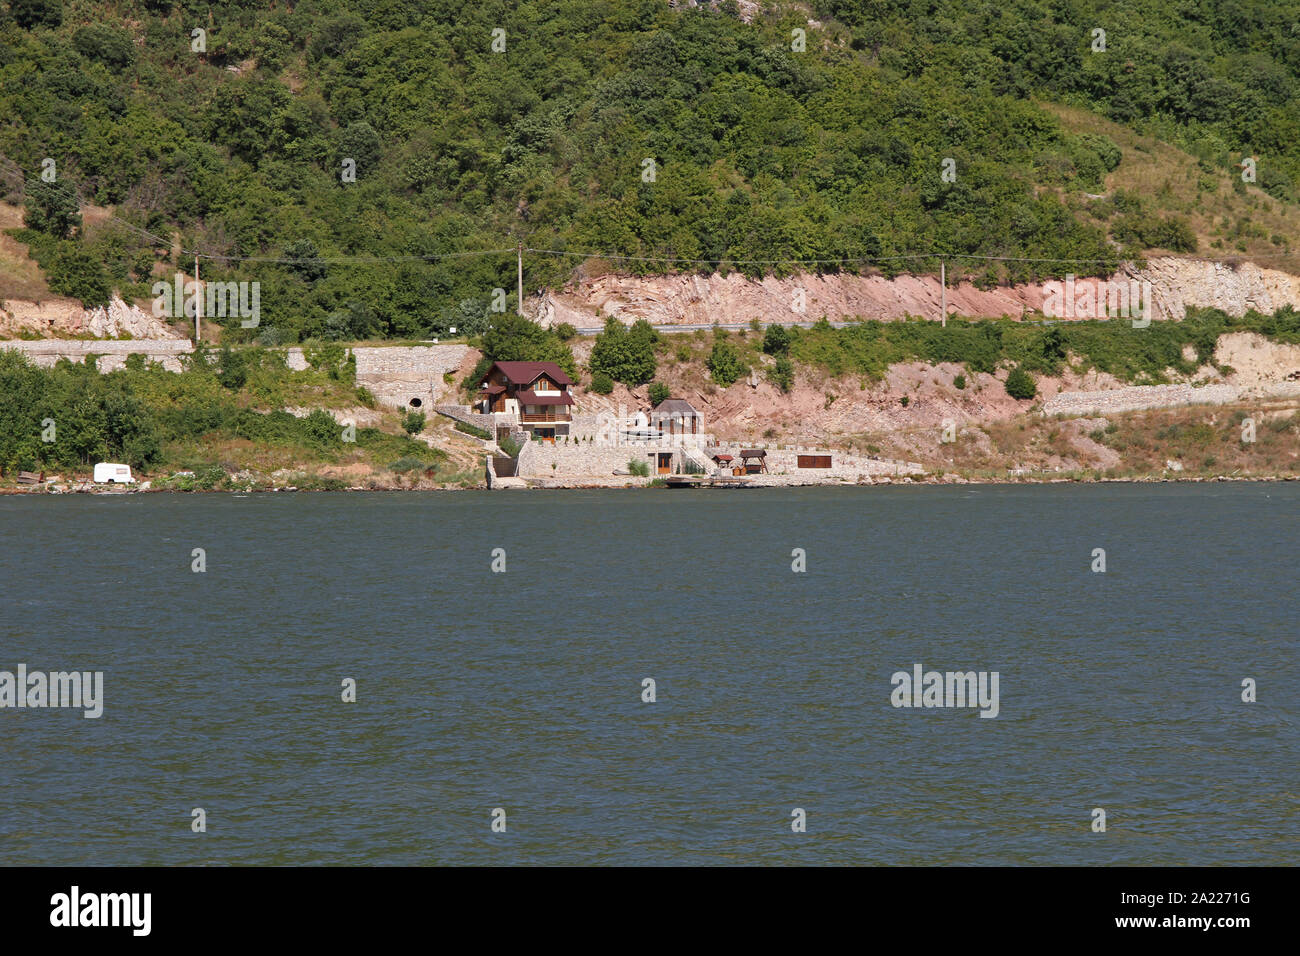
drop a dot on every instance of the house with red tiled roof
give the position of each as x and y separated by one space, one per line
533 394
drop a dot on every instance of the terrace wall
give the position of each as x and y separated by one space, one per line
111 354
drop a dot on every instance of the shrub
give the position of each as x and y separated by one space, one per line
37 13
512 338
640 469
782 374
659 392
329 357
1105 149
565 331
272 335
336 36
601 383
1020 384
1141 229
413 423
111 47
509 447
232 369
358 141
78 274
776 341
959 382
1172 233
204 478
625 354
405 464
473 430
321 430
51 208
725 364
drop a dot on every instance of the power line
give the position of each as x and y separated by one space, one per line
360 259
868 260
856 260
22 179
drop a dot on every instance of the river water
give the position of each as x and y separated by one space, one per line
523 689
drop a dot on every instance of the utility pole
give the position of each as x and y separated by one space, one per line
520 251
943 294
198 302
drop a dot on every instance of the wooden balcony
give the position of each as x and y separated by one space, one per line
549 416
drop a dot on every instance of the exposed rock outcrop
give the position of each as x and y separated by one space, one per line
61 317
734 299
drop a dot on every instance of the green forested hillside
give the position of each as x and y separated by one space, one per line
762 153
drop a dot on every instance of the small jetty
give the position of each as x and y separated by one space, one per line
730 482
701 481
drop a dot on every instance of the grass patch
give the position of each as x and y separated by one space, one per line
474 430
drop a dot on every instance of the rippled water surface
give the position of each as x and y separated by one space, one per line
522 690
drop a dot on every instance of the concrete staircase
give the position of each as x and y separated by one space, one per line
696 455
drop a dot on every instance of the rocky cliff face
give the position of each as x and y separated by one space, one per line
62 317
735 300
1235 288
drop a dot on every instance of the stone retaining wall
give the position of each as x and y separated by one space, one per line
570 461
398 374
786 461
461 413
395 375
1138 397
111 353
536 458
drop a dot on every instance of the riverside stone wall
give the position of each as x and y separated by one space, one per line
573 461
594 460
785 461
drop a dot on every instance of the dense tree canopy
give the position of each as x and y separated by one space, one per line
393 136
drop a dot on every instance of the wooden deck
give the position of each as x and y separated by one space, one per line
702 481
732 482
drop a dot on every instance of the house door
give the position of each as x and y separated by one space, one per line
545 434
665 462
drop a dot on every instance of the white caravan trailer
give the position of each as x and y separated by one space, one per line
107 472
